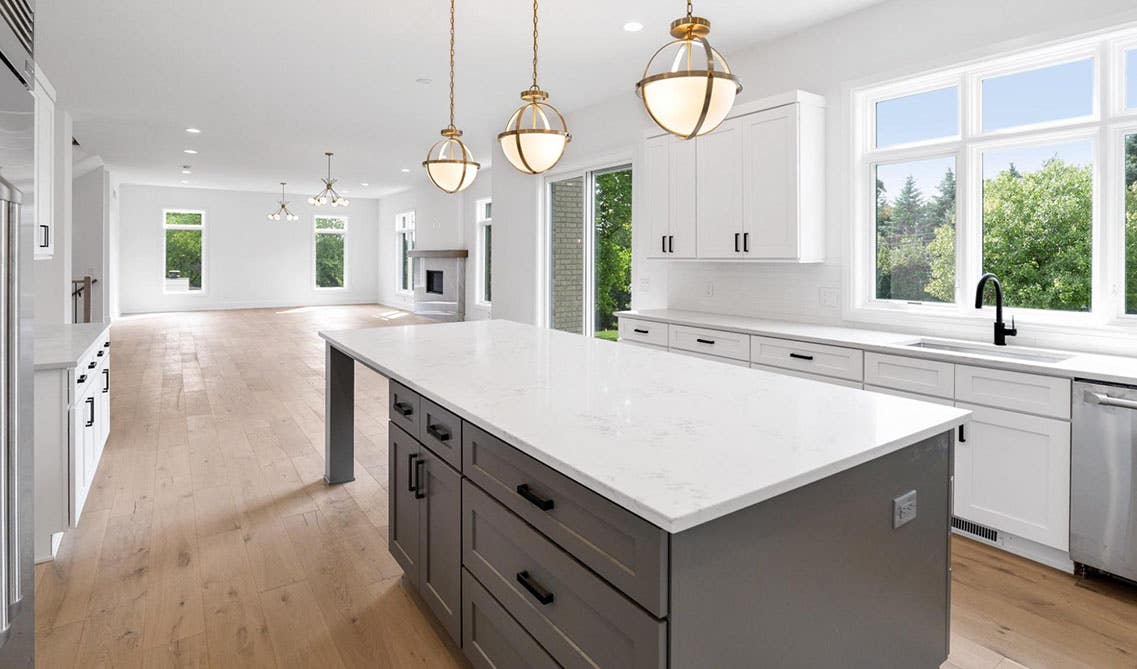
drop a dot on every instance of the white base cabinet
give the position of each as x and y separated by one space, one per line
72 423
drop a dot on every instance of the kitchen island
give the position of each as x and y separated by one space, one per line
561 500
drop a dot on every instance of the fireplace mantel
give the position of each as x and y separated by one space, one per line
441 253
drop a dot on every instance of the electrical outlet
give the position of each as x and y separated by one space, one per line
645 283
904 509
829 297
709 291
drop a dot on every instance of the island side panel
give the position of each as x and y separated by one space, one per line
818 577
339 413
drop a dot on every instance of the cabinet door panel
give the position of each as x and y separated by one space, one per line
657 195
403 519
720 227
770 172
683 196
440 537
1012 473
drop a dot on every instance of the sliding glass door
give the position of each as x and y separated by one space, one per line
589 218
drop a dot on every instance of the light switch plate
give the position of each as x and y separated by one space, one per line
904 509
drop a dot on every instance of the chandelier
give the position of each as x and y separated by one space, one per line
282 211
328 194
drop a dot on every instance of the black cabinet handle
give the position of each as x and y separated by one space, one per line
46 232
82 379
106 380
706 341
736 238
420 465
107 345
801 356
534 588
542 503
663 243
439 432
100 354
91 405
411 472
746 242
639 330
962 437
671 243
92 364
403 408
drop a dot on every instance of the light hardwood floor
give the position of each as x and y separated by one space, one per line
210 540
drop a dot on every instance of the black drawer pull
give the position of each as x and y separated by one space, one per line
663 243
534 588
107 380
639 330
46 232
962 437
801 356
82 379
736 237
107 345
706 341
403 408
411 472
100 354
746 242
542 503
91 404
671 243
420 465
92 364
439 432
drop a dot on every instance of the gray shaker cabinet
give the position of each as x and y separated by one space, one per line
403 527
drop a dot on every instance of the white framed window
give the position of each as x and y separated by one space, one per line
484 216
183 251
1023 165
329 252
404 244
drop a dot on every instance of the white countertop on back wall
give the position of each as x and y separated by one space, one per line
62 346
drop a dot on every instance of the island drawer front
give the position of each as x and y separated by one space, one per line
712 342
1029 393
405 408
644 332
491 638
838 361
926 377
806 375
712 358
623 548
577 617
441 433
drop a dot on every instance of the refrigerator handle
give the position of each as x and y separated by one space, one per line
7 566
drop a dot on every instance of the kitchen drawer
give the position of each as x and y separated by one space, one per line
441 433
712 358
405 407
927 377
838 361
491 638
943 401
806 375
1031 393
640 344
626 550
644 332
577 617
712 342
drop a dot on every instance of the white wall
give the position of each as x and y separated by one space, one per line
250 261
884 41
442 221
90 246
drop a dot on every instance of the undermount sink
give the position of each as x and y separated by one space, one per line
988 350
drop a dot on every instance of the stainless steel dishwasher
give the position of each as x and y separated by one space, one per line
1103 478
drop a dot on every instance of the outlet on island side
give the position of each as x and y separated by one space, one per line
904 509
709 289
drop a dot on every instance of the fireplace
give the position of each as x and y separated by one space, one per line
440 283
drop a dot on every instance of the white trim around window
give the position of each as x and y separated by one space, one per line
1105 129
404 227
483 214
162 257
316 233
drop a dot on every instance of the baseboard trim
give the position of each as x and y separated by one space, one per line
229 306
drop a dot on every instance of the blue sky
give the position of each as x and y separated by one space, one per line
1046 94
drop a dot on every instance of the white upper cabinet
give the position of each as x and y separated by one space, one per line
44 167
753 189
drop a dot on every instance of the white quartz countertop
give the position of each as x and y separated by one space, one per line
61 346
1091 366
677 440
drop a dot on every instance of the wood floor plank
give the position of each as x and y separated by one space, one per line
300 637
188 653
236 633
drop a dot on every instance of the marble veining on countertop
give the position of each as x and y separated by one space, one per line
61 346
679 441
1080 365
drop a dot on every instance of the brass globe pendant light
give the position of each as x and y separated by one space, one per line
283 211
449 163
687 87
536 135
328 194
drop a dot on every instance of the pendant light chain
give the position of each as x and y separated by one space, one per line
451 63
690 9
535 87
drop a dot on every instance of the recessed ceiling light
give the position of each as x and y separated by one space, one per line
193 131
633 26
364 184
191 152
187 171
185 181
424 81
405 170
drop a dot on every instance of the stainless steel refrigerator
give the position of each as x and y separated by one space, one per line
17 224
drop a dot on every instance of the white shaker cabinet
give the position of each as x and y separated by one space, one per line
1012 472
44 167
670 188
721 233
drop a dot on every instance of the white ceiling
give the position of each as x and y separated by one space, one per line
275 83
